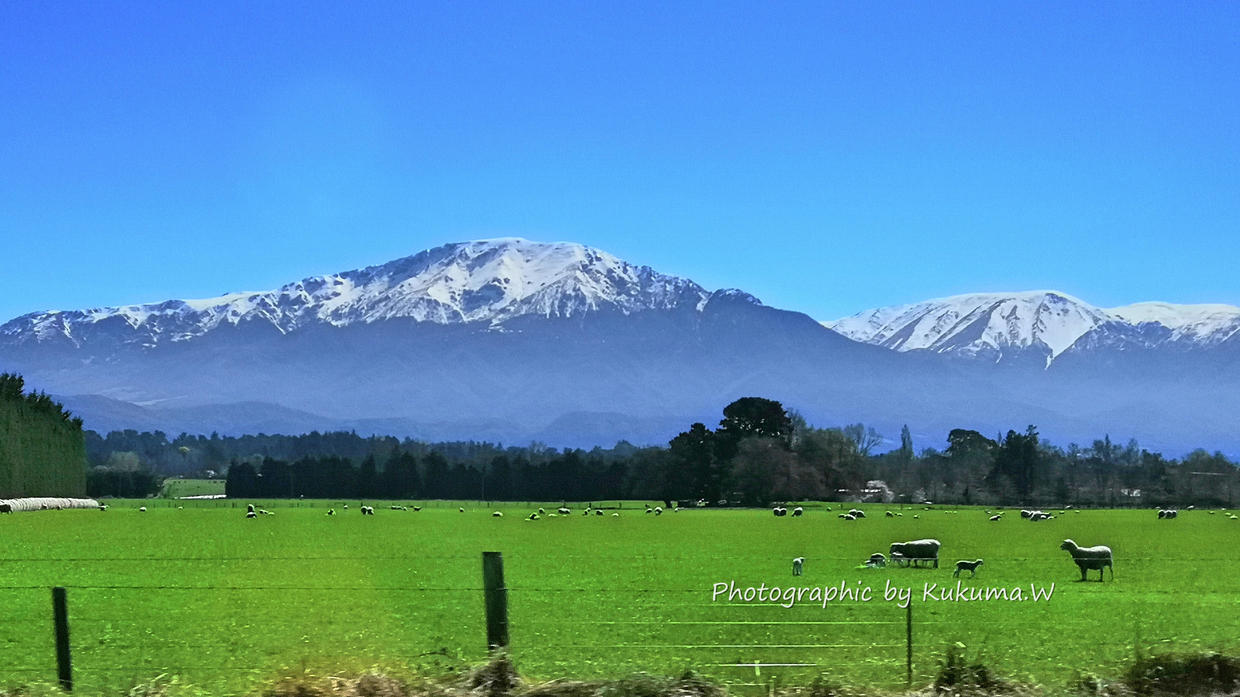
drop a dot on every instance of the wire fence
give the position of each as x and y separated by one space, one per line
227 632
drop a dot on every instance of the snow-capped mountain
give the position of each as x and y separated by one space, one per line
479 282
1040 324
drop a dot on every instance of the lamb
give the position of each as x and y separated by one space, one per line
876 561
918 550
965 565
797 512
797 565
996 518
1088 558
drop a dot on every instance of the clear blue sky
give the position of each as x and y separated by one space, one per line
825 157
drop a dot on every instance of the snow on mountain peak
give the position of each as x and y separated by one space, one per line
995 325
989 324
482 281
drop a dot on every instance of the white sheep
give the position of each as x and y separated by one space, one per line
1089 558
461 510
797 512
658 510
918 550
542 511
497 514
613 515
416 509
563 510
331 511
532 516
798 564
142 509
856 512
848 516
597 512
890 514
876 561
966 565
251 514
996 518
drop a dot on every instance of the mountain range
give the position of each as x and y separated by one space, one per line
513 340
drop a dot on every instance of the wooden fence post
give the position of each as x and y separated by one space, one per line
496 595
60 615
908 637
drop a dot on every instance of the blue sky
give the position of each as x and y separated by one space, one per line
825 157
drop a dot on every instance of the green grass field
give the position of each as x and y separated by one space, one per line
175 488
227 602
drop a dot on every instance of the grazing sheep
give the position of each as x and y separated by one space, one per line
416 509
1025 513
916 516
251 514
890 514
658 510
797 512
848 516
533 516
856 512
460 510
1167 514
597 512
497 514
965 565
331 511
1089 558
142 509
780 511
1232 516
918 550
876 561
996 518
541 511
102 507
613 515
797 565
562 510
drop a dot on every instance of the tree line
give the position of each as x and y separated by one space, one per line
758 453
42 448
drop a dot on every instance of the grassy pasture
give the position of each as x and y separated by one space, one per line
175 488
227 602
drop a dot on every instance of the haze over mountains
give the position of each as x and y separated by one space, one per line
515 340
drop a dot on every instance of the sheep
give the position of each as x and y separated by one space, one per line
532 516
461 509
848 516
876 561
890 514
331 511
587 511
779 511
563 510
497 514
1088 558
346 507
1025 513
1167 514
249 507
613 515
142 509
797 512
856 512
798 564
918 550
597 512
916 516
251 514
416 509
102 507
970 566
996 518
658 510
542 511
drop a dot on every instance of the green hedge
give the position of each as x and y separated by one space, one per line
42 449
